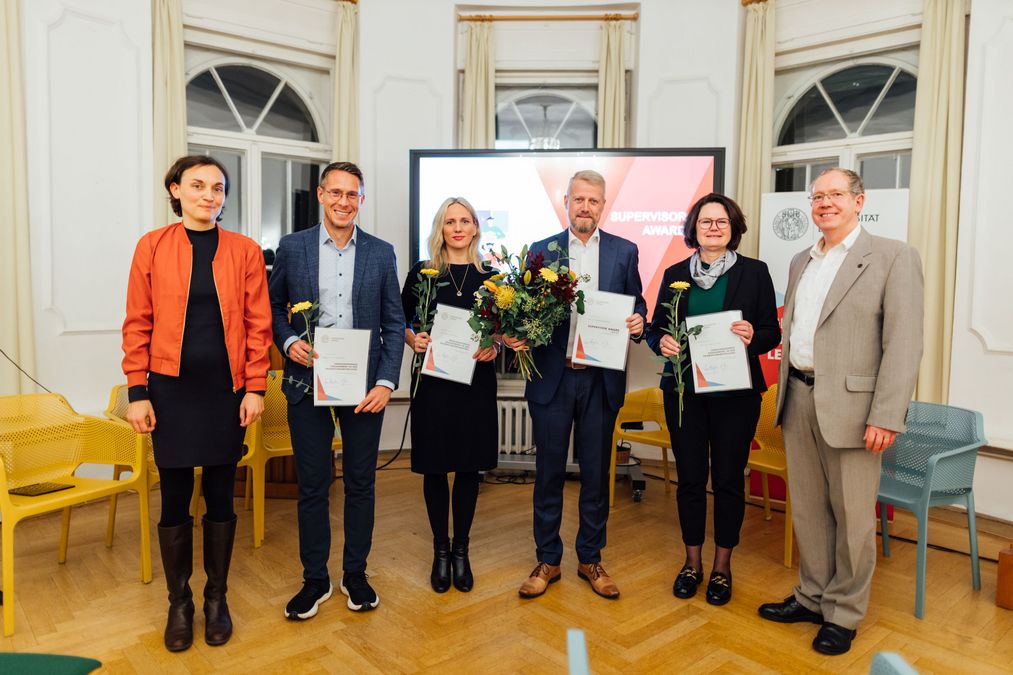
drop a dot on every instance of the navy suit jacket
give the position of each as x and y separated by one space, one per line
376 302
618 272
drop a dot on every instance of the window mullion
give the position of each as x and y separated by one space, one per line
228 99
524 124
573 106
267 106
879 99
833 108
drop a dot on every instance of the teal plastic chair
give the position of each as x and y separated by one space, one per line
576 652
932 464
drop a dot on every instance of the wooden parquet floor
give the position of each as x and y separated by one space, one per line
95 605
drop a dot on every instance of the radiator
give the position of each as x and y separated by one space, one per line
514 427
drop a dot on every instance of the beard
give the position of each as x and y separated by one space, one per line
588 226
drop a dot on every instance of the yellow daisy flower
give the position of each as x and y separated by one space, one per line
302 306
548 275
429 272
496 277
679 285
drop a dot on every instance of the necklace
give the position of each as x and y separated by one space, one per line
459 287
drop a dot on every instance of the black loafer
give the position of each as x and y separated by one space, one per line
686 583
789 611
833 639
719 588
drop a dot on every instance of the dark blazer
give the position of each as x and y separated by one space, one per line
750 290
376 302
618 272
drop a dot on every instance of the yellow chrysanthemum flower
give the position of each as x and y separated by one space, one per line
679 285
505 297
527 277
302 306
548 275
490 285
429 272
496 277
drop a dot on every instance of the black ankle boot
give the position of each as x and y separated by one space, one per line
440 577
176 546
218 539
463 579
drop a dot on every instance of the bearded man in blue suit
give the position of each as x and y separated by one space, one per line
353 275
571 396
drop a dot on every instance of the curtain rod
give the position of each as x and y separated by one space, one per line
747 3
548 17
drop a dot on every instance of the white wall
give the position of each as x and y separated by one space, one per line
982 362
88 110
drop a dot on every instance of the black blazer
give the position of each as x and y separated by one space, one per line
750 290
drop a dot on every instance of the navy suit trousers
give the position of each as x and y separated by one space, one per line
579 404
312 432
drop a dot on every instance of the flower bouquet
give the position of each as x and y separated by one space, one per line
425 293
528 300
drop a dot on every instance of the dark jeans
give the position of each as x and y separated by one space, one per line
580 404
715 438
176 488
312 432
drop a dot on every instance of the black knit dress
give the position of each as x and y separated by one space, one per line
454 426
197 413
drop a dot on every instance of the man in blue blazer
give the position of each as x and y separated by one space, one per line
353 276
571 396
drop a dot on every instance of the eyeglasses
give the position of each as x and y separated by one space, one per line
835 196
707 223
336 195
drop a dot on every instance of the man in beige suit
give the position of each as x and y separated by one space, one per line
852 344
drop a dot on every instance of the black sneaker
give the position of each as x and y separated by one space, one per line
361 596
306 602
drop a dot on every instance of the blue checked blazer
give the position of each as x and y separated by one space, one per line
376 302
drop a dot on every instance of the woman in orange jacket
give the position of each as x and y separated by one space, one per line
195 343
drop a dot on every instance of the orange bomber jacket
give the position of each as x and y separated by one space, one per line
157 295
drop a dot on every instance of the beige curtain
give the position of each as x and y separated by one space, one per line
16 332
168 97
478 95
756 119
935 182
612 86
346 85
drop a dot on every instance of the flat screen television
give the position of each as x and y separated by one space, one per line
519 196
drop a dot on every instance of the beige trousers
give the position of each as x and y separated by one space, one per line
833 498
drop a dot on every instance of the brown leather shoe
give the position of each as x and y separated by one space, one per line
536 584
599 579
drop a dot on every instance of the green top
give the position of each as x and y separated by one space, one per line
708 301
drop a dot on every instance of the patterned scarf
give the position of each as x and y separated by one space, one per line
706 278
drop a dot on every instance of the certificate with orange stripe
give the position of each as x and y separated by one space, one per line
719 361
602 338
451 353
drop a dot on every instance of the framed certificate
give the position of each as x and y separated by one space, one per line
719 361
341 367
602 338
450 355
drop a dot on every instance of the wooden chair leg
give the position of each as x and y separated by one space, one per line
61 556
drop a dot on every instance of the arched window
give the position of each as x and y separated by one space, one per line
540 118
257 124
860 117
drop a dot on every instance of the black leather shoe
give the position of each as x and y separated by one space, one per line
439 578
719 588
460 566
789 611
686 583
833 639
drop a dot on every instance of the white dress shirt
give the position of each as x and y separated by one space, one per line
583 260
810 295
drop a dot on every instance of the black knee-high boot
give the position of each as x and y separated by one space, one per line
176 545
218 539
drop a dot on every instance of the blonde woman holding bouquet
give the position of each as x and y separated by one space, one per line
453 425
716 428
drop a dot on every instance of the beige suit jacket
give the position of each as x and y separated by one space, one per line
868 342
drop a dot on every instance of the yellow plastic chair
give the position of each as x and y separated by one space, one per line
117 410
642 405
43 440
769 459
268 438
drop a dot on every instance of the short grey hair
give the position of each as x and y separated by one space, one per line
592 177
855 184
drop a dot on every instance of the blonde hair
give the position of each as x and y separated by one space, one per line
587 175
437 259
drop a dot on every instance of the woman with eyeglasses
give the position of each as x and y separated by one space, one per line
195 343
454 425
717 427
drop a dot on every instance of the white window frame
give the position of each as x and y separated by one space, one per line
255 147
